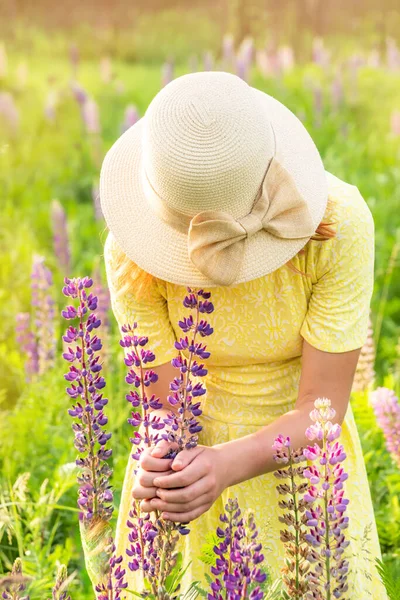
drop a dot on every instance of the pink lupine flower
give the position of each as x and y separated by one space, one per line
130 117
387 411
9 111
327 505
90 115
26 340
392 54
395 123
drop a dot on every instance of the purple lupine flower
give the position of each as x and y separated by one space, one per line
60 591
237 573
60 236
15 583
27 342
79 93
317 96
325 515
296 565
337 91
9 111
167 72
113 588
136 359
44 313
85 385
131 116
90 116
387 411
184 426
106 71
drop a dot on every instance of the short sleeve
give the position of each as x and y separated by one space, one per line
149 310
338 310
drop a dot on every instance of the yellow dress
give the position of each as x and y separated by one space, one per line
254 371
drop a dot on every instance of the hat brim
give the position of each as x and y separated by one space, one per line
160 249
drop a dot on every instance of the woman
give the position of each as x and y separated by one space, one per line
220 186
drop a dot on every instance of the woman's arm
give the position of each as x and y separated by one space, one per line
205 472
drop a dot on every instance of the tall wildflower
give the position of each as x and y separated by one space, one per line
130 117
208 61
25 338
95 495
294 537
387 411
14 583
90 115
228 50
365 373
60 236
327 505
74 57
238 555
84 375
152 544
60 589
44 313
8 111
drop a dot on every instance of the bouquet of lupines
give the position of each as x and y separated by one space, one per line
236 571
152 543
294 537
325 516
95 495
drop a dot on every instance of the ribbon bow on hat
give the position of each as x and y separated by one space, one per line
216 240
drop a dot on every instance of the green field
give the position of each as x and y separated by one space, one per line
46 156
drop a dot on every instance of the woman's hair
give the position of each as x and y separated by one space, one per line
128 273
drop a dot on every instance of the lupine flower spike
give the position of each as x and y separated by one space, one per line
95 494
365 373
44 313
325 515
60 589
236 571
387 411
14 583
26 340
152 545
296 547
60 236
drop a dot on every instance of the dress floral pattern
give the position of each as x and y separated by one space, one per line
254 371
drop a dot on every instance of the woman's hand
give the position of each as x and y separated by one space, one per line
151 465
195 479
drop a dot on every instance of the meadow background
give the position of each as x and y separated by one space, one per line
72 79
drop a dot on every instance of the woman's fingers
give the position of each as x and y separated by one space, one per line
162 448
149 463
171 507
146 478
184 478
187 516
140 493
186 494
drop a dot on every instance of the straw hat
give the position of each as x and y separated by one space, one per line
217 184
